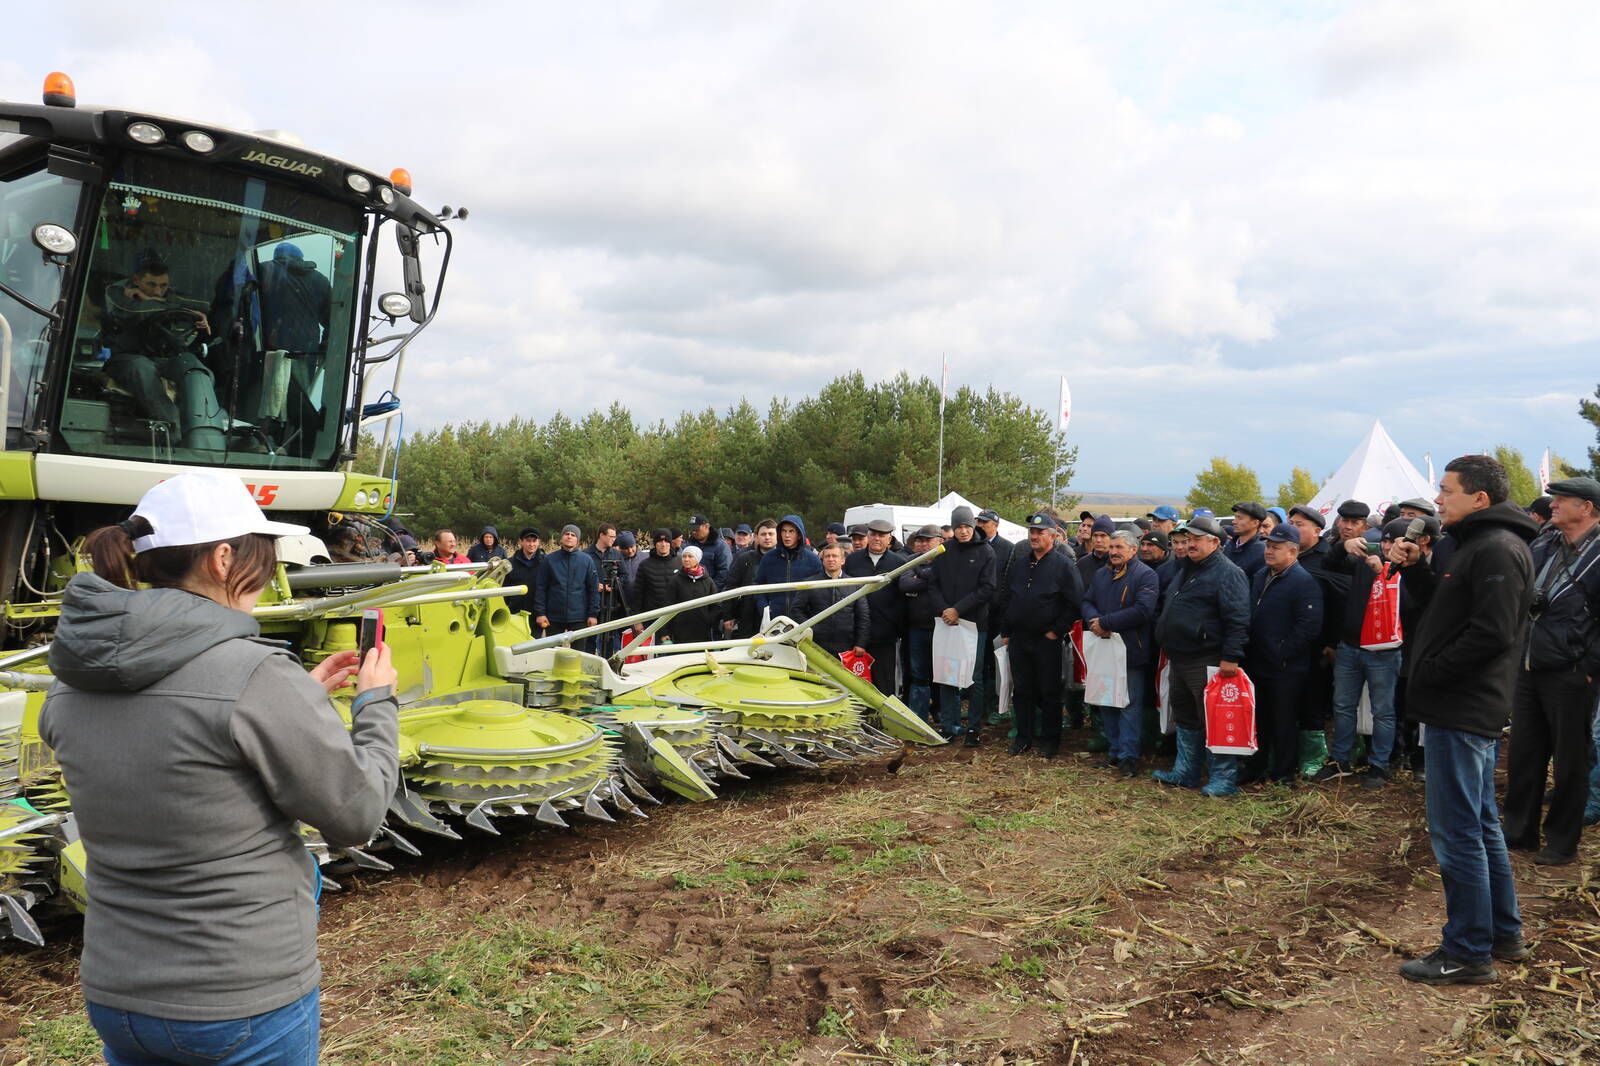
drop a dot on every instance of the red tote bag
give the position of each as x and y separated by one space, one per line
1230 713
1380 625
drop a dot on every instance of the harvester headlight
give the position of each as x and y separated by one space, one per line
386 194
199 142
359 182
146 132
361 497
395 304
54 239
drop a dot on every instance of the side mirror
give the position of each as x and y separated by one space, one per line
411 270
56 242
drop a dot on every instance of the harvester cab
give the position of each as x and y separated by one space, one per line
174 295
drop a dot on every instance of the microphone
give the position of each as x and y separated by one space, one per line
1414 533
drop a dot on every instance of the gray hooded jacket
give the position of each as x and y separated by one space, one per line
191 748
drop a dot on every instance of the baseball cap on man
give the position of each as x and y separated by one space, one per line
1204 525
1040 520
1165 513
836 528
742 527
859 529
1203 512
987 515
1156 537
528 531
203 507
698 520
661 534
1283 533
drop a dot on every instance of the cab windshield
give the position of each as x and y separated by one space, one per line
215 322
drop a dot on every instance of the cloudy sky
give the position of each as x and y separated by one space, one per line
1241 229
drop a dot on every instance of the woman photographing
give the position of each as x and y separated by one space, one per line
192 747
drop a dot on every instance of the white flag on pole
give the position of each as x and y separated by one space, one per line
1428 458
1544 472
944 380
1064 410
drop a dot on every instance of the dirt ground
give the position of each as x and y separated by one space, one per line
967 908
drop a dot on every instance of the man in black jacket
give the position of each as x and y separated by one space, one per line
526 562
1246 548
714 553
1464 668
886 611
1285 626
1555 687
1205 623
746 615
963 585
915 585
845 630
1316 556
652 586
989 525
1041 606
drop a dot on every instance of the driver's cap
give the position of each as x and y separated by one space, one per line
203 507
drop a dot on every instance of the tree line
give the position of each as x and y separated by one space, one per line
854 442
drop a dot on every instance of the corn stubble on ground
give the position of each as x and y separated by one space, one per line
969 908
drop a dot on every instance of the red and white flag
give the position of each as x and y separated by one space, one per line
1544 472
1064 409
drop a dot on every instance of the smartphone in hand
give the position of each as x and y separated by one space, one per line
371 632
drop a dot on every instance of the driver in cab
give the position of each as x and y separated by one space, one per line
150 330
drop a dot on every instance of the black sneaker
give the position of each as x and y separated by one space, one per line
1330 771
1441 969
1049 752
1549 856
971 741
1511 949
1128 768
1019 746
1375 779
1108 763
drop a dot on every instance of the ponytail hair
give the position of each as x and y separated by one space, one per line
111 554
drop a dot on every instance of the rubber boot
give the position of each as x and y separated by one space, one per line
1224 776
1313 751
1186 768
1098 741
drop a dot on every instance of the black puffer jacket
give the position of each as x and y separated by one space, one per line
652 588
963 578
1465 656
524 571
914 590
842 630
1566 635
696 624
1208 611
887 607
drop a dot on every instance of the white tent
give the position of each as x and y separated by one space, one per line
908 519
1377 474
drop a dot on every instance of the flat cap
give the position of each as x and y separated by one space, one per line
880 525
1204 525
928 532
1417 503
859 529
1311 514
1250 508
529 531
1584 488
1354 509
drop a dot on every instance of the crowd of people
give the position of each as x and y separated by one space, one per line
1497 610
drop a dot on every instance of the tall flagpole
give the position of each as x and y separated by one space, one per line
944 386
1063 417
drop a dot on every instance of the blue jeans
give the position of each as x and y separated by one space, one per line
921 689
288 1036
1480 898
950 696
1381 672
1122 724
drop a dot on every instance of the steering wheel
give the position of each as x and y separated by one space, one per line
169 332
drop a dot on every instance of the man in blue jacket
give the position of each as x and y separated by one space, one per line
791 560
1122 600
1285 632
567 596
1205 623
1245 548
1041 606
715 555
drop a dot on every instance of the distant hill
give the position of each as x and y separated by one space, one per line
1125 503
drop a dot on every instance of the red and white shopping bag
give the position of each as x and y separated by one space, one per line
1230 713
1380 625
645 643
858 663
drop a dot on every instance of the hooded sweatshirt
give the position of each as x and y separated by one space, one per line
782 564
192 748
483 553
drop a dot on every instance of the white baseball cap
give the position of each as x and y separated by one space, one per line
203 507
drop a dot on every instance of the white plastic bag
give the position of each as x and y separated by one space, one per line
1164 696
1002 679
955 653
1105 680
